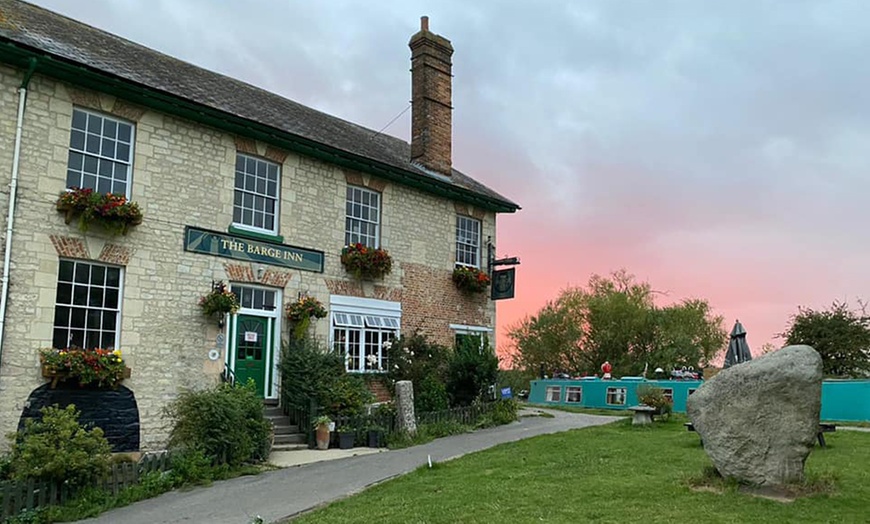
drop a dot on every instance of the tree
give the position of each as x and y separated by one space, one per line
840 335
616 319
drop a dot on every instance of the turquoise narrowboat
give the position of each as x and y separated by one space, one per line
842 400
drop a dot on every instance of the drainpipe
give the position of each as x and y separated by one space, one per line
13 189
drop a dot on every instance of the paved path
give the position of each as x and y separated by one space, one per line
278 494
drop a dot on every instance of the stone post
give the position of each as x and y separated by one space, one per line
405 407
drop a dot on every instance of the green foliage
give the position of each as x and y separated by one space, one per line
503 412
654 397
57 448
220 300
471 371
839 334
114 212
615 319
309 372
516 379
365 262
225 422
191 466
425 364
102 367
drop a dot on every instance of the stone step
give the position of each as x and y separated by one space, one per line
285 429
289 447
295 438
273 412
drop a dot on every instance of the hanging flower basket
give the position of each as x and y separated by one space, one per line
99 367
365 262
113 212
220 301
304 308
470 279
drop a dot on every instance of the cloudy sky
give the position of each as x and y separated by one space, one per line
719 150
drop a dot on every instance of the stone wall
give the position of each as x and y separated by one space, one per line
183 175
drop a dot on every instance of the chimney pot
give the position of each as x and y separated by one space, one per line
424 23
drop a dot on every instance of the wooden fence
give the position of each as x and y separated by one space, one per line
16 497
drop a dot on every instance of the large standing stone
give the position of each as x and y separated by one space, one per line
405 406
758 420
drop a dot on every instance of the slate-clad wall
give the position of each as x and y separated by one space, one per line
183 174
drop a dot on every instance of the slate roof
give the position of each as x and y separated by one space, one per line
39 29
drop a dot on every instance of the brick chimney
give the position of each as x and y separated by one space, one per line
431 109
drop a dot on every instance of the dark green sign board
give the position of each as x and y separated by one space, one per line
228 246
503 284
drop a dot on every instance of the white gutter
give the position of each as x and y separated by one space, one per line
13 189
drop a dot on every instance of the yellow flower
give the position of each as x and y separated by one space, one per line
117 352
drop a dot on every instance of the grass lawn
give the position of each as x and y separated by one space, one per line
613 473
585 411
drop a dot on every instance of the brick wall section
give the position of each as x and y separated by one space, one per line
431 100
246 145
115 254
431 301
70 247
379 390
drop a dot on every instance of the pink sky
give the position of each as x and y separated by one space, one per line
715 149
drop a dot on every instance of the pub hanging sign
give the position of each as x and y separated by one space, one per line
207 242
503 284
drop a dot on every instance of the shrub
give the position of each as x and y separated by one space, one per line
471 371
190 466
654 397
309 372
425 364
503 412
225 422
57 448
430 394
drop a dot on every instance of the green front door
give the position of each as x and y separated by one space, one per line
251 338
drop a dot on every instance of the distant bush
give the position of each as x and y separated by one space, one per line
471 371
503 412
58 448
309 372
226 423
654 397
516 379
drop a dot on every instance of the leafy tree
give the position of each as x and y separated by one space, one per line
839 334
471 371
615 319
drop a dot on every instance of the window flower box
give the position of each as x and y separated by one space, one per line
365 262
99 367
113 212
470 279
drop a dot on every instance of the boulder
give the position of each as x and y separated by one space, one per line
759 420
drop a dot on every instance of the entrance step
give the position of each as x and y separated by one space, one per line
288 436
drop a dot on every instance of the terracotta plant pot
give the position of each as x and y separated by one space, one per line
322 436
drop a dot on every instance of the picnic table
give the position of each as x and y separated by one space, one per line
642 415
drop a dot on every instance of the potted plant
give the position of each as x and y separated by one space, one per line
321 427
470 279
98 367
375 436
365 262
114 212
346 437
300 313
220 301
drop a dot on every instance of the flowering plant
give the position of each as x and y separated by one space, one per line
304 308
221 300
366 262
470 279
114 212
104 367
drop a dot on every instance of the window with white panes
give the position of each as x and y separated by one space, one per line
573 394
467 241
363 340
100 153
616 396
554 393
87 311
255 201
362 217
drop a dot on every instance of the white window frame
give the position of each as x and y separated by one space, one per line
549 394
364 316
462 329
276 218
568 391
273 343
100 157
88 307
465 245
351 236
668 394
619 395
